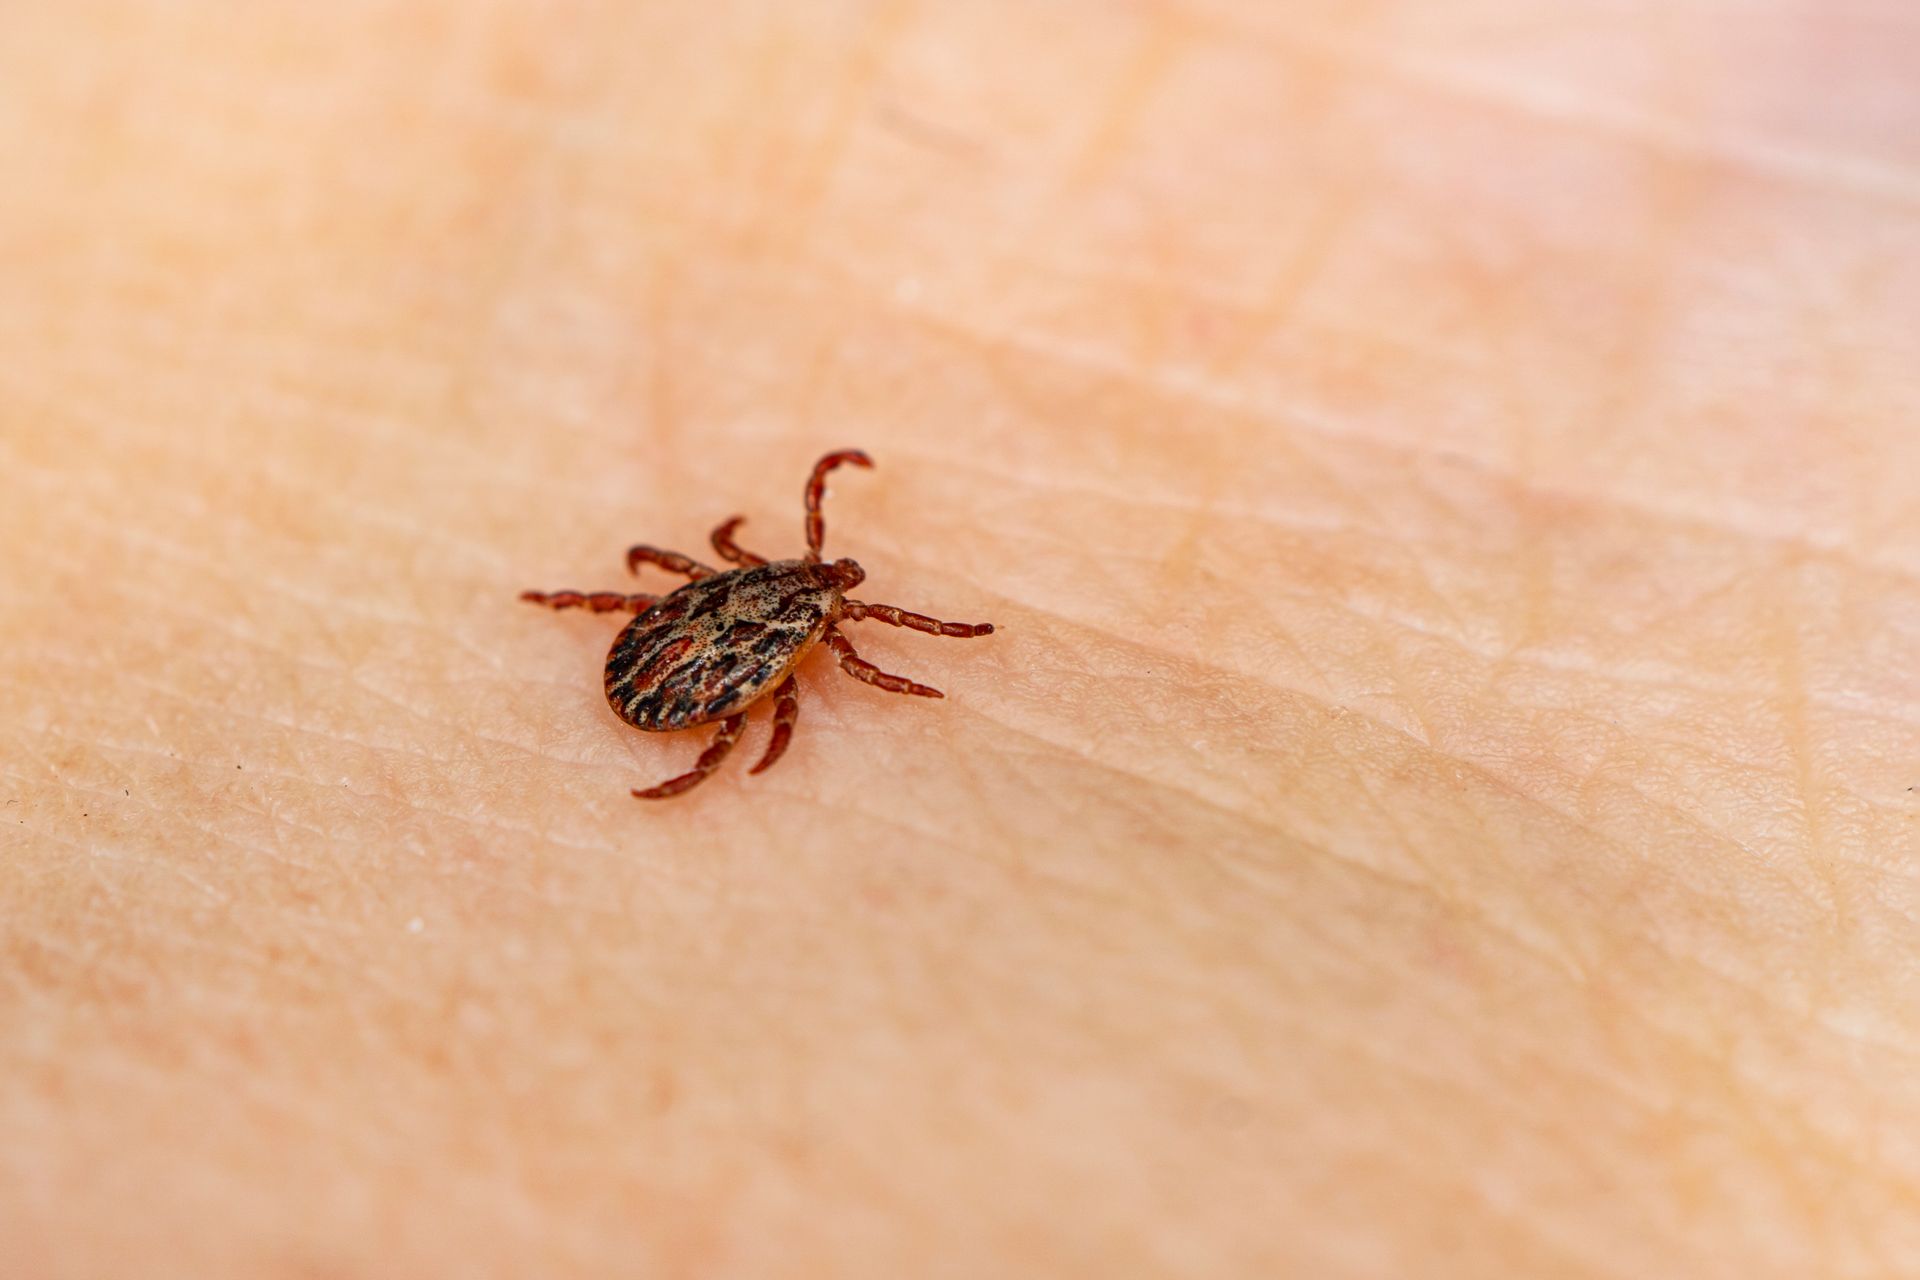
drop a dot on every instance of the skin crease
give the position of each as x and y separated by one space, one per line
1441 799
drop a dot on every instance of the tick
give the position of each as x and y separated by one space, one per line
728 639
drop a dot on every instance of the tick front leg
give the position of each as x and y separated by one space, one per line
860 669
709 761
859 611
671 561
730 550
598 601
786 709
817 490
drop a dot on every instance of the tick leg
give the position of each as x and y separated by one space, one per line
860 669
859 611
709 761
730 550
598 601
817 488
671 561
786 709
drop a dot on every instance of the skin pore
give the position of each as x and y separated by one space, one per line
1440 799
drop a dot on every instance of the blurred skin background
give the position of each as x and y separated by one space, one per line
1442 797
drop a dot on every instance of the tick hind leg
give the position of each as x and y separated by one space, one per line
860 611
709 761
786 709
598 601
860 669
817 489
731 551
671 561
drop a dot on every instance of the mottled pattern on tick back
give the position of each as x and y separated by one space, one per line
717 644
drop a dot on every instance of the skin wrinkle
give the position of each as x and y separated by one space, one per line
1539 102
92 963
1559 662
154 688
1561 962
1758 862
287 728
225 619
1792 700
1156 54
1096 273
279 818
1320 703
1406 555
1407 845
1298 422
857 85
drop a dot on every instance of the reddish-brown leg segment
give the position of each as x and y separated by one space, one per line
817 488
709 761
730 550
671 561
860 669
598 601
786 709
859 611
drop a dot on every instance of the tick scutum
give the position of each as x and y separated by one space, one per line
717 644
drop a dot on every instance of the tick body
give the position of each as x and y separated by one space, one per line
725 641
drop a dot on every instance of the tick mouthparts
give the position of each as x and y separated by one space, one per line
847 574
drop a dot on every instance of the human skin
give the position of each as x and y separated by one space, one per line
1440 800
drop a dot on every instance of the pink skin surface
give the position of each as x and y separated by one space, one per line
1440 801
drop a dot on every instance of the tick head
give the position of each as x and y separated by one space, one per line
844 575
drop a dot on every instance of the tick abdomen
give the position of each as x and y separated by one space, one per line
717 644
